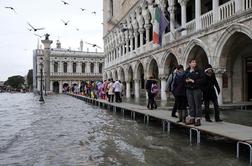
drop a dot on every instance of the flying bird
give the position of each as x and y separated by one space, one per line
65 23
94 45
94 12
65 3
82 9
11 8
40 36
35 29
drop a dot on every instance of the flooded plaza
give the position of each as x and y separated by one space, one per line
67 131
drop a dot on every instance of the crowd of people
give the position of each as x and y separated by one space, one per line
108 90
191 88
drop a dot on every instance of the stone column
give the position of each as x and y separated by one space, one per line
78 67
127 45
51 85
51 67
47 45
141 31
163 86
131 42
183 14
198 14
147 27
216 15
60 87
171 10
88 67
38 84
137 88
239 6
70 67
61 67
128 89
136 38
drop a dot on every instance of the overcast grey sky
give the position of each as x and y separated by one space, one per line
17 42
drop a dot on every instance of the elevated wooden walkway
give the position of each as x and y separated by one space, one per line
240 133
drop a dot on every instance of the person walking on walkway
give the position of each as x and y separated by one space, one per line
169 88
194 81
111 91
117 89
151 96
209 94
179 92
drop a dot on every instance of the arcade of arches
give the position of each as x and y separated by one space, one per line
231 59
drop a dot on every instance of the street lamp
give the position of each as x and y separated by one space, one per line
41 81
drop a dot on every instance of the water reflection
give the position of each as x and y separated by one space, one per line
66 131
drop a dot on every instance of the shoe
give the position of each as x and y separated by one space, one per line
208 120
218 120
197 122
189 121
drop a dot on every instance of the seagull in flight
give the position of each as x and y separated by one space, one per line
82 9
94 45
35 29
94 12
40 36
65 3
65 23
11 8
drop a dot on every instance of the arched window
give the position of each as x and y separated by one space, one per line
65 67
83 67
100 68
55 66
74 67
92 67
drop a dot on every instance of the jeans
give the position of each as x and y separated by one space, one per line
118 97
194 101
151 101
111 98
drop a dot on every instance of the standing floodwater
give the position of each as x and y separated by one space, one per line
66 131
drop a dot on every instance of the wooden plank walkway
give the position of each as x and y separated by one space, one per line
240 133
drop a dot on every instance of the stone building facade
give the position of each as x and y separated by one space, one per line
65 67
218 32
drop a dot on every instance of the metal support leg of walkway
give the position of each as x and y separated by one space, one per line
146 119
122 111
238 150
198 135
168 126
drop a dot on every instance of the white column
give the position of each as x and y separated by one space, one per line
60 67
198 14
127 89
183 14
147 27
69 67
171 10
78 67
38 84
88 67
239 5
51 86
141 31
131 42
136 39
51 67
137 88
163 93
60 87
96 68
127 45
216 14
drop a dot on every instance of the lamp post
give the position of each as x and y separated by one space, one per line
41 82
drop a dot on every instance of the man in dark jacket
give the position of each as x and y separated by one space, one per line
209 93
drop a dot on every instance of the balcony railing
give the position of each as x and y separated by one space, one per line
207 19
76 74
247 4
191 26
227 10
